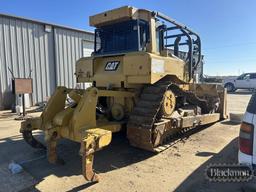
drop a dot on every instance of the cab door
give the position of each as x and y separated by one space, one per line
253 80
243 81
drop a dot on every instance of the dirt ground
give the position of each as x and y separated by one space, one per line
122 167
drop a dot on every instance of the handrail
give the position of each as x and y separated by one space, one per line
193 41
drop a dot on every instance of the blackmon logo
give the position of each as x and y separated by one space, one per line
228 173
112 65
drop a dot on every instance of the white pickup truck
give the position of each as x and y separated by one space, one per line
247 136
244 81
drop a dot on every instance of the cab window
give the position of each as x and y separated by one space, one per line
126 36
253 76
244 77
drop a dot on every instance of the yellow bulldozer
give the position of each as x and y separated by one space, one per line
140 82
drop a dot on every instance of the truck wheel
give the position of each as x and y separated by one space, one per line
230 87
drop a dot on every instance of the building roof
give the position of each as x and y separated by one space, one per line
44 23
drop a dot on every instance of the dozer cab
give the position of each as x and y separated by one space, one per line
139 82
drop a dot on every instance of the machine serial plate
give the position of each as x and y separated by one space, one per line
112 65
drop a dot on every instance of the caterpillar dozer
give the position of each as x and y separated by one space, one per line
143 75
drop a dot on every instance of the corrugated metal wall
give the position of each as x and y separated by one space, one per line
25 45
69 48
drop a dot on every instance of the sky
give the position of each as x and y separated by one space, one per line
227 27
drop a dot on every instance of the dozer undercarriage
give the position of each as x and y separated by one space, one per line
165 107
161 109
139 83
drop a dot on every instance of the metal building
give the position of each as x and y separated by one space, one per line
44 51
